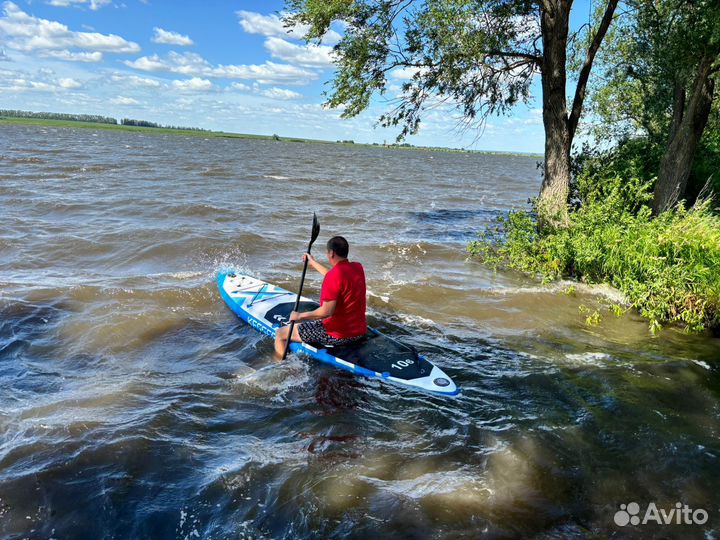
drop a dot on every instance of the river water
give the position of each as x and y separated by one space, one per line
134 404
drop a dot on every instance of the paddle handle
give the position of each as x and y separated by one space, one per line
297 305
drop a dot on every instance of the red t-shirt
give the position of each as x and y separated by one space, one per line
345 283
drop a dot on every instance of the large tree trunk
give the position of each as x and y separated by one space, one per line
552 204
559 126
686 130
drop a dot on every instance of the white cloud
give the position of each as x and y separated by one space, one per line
166 37
195 84
134 80
193 64
20 84
272 25
241 87
69 83
155 63
307 55
94 4
42 80
273 93
404 73
27 33
122 100
280 93
269 25
94 56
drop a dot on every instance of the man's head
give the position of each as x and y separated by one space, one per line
337 249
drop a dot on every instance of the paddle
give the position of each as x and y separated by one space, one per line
313 236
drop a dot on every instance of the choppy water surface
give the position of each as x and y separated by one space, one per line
135 405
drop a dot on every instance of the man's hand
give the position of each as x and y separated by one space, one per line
316 265
294 316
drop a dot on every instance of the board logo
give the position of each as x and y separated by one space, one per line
259 326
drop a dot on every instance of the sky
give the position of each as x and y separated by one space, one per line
220 65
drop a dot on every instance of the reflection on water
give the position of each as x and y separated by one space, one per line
136 405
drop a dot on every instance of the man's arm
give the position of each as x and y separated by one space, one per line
316 265
323 312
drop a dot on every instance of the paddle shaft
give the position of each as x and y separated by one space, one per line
297 302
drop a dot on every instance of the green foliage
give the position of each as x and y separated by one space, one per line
58 116
658 65
88 118
594 319
148 124
706 167
667 267
630 158
480 55
650 52
639 158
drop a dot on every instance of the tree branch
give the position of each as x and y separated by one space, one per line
587 66
516 54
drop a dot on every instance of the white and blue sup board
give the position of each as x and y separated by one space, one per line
266 308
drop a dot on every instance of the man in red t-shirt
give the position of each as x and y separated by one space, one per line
340 319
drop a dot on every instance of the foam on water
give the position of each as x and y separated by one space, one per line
277 379
562 287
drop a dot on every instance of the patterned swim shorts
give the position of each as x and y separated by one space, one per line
314 332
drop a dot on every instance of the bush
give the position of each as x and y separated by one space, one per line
668 267
706 167
640 158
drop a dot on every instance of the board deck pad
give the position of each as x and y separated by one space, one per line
266 307
281 312
382 355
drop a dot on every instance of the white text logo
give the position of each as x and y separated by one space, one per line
680 514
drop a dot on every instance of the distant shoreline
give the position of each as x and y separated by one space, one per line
7 121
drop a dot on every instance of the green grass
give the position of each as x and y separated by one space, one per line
667 267
4 120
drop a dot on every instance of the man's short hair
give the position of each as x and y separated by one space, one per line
339 245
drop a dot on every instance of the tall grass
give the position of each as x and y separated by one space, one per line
667 267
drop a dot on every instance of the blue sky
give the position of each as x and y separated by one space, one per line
215 64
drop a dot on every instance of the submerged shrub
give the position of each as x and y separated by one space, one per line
668 267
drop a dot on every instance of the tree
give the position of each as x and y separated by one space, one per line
480 55
661 66
694 33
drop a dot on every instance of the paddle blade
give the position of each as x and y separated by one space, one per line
315 230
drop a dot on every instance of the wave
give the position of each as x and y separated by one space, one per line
276 380
605 291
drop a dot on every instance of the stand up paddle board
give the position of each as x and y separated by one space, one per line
266 308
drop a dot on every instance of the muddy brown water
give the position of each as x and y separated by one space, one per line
133 404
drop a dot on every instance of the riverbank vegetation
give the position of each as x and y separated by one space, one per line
81 124
644 211
63 117
667 267
89 119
